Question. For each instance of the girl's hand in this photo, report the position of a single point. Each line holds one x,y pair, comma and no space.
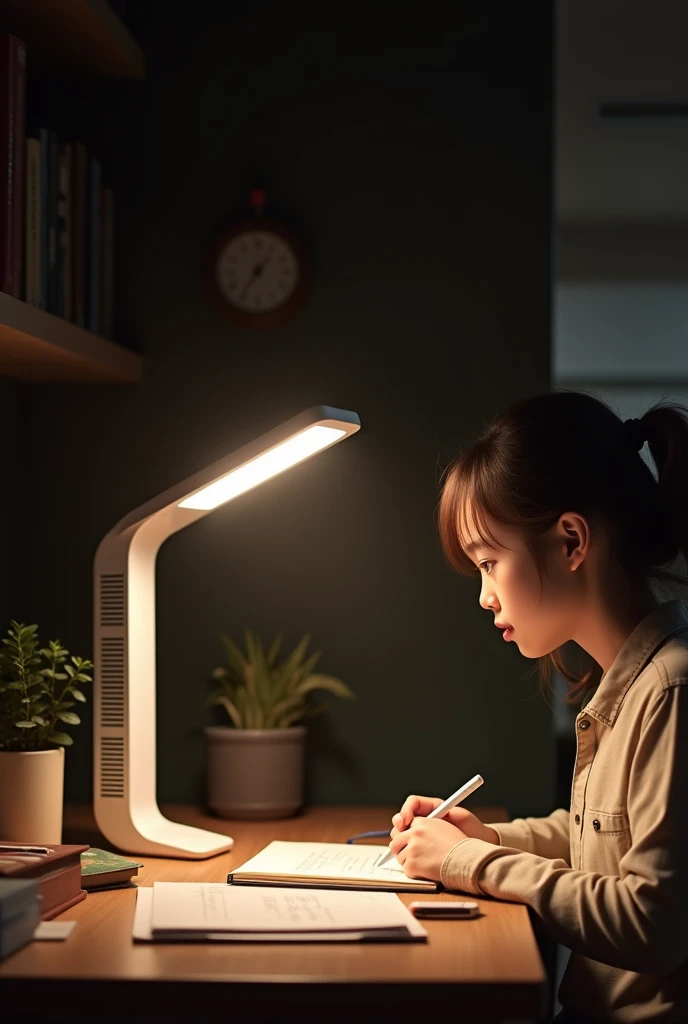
421,848
420,806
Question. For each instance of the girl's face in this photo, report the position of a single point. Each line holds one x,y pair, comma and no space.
541,614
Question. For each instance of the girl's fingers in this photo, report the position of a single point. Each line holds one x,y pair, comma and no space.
413,807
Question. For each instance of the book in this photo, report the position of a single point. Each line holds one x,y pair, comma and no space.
94,268
107,263
51,198
44,137
213,912
19,913
18,931
79,246
100,868
32,237
63,230
326,865
12,106
57,871
17,895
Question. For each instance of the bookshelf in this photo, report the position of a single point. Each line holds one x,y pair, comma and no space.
36,346
77,38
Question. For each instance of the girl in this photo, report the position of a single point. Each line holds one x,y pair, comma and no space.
573,536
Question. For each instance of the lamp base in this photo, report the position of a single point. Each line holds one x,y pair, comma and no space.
149,832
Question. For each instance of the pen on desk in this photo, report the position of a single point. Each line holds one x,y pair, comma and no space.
445,806
22,848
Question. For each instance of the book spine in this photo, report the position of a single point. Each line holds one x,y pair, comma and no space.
11,80
79,247
108,261
6,143
52,221
44,136
58,887
18,187
94,248
65,905
64,231
19,931
32,238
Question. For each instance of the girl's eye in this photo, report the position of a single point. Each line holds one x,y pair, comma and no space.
484,565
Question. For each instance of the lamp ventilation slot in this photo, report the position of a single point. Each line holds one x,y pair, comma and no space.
112,600
112,766
111,682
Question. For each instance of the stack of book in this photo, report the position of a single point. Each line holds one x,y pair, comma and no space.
19,913
56,213
56,870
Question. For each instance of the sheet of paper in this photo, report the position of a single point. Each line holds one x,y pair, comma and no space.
325,860
216,907
142,930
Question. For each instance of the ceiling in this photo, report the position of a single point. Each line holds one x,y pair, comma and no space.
621,169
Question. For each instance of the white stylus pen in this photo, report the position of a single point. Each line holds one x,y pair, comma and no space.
446,805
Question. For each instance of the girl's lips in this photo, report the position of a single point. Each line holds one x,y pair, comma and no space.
508,632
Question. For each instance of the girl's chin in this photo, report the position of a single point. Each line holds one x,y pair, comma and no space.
530,652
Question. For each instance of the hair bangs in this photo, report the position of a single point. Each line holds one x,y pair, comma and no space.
463,514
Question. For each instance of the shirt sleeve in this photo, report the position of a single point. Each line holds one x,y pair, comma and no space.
636,920
545,837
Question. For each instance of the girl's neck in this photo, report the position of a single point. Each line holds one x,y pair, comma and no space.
609,620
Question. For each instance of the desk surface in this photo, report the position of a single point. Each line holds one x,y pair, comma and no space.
488,967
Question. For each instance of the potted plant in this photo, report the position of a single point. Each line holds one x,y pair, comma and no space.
38,688
256,763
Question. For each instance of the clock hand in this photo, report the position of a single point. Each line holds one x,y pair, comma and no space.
265,262
256,272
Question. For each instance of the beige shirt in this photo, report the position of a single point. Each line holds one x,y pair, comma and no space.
609,879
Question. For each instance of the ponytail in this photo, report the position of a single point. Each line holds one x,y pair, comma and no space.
666,426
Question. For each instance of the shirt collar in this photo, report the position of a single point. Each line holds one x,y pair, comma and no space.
662,622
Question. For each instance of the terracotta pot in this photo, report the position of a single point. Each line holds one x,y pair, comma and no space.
31,796
255,773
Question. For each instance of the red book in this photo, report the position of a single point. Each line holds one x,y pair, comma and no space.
59,890
65,905
58,873
12,105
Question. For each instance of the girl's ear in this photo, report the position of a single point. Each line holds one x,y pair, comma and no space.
573,532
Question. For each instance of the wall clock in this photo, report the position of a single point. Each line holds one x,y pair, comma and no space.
258,270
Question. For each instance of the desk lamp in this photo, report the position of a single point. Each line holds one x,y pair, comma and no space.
124,783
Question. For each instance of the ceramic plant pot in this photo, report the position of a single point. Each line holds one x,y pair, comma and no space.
255,773
31,796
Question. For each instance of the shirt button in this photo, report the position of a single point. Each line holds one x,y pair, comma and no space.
596,825
584,723
577,819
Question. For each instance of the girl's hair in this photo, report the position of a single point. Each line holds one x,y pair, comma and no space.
569,451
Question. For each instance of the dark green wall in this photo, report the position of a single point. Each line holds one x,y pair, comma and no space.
417,163
14,497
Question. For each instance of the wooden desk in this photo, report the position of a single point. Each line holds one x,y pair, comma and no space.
486,969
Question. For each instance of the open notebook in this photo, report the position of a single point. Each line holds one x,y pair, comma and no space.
215,912
326,865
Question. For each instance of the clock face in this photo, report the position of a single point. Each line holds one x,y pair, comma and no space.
257,271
